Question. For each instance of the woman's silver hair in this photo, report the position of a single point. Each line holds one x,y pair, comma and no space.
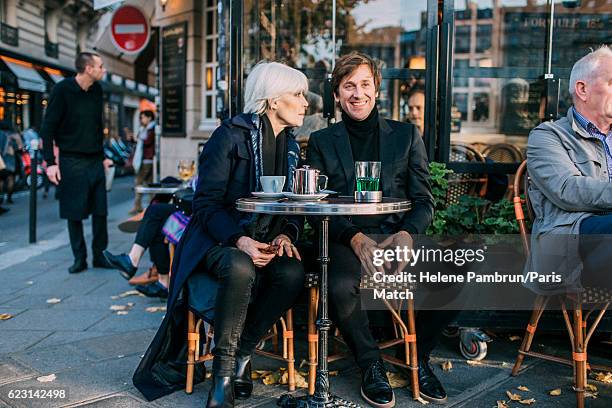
586,67
269,80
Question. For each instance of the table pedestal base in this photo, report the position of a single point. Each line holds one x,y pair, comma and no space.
311,401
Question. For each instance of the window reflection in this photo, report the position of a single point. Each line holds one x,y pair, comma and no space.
299,33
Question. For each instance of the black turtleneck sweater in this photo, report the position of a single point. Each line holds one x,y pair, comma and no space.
363,136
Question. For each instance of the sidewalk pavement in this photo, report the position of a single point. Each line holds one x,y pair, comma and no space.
92,351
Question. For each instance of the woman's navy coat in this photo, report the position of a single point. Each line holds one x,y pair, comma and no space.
226,172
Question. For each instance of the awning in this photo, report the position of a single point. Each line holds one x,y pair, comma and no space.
27,77
55,77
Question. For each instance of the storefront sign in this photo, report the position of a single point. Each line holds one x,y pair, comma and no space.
174,56
129,30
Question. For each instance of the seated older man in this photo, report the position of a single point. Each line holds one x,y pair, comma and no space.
570,165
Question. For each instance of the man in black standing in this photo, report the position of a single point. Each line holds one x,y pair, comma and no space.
73,121
364,136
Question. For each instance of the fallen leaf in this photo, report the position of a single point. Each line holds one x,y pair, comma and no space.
256,374
333,373
303,373
122,312
208,375
527,401
447,365
502,404
120,356
514,338
303,363
590,387
129,293
154,309
522,388
29,282
53,301
284,378
114,297
472,362
556,392
5,316
396,380
422,401
513,397
300,380
271,379
505,364
590,395
115,308
46,378
604,377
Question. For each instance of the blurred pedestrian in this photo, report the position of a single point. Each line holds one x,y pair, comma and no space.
11,146
74,121
143,157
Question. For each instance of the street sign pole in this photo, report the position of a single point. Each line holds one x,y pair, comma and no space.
33,188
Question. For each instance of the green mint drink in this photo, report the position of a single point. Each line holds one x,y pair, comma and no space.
367,183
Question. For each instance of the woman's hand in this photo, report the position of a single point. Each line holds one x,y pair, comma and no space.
252,248
286,247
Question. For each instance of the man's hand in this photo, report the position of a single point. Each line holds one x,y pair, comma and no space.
400,239
53,174
108,163
364,248
286,247
252,248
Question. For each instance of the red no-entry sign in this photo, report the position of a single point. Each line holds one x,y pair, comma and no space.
130,30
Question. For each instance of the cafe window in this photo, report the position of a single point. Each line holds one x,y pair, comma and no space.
210,37
499,86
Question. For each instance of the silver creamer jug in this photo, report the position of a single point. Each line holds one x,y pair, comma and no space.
306,180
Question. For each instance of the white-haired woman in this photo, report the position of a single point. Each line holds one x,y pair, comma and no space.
226,250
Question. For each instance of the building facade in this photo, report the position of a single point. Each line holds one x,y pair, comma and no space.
39,40
490,70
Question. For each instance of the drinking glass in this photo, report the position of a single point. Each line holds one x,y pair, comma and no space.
186,170
367,174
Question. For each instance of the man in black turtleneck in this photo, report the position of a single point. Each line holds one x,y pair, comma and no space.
364,136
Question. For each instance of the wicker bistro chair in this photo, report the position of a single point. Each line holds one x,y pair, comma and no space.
199,350
465,183
405,334
505,153
579,331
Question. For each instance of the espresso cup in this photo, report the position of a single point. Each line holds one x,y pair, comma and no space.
272,184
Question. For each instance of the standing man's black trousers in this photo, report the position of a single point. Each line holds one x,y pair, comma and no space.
82,192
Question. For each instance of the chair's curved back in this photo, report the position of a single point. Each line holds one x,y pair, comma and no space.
465,183
521,179
503,153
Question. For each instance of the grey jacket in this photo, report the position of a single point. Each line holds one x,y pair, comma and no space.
569,182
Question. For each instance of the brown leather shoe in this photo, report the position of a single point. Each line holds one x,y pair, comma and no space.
146,278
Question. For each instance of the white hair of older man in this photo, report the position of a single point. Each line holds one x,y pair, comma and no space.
269,80
586,67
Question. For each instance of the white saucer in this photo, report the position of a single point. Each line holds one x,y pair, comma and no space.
305,197
270,196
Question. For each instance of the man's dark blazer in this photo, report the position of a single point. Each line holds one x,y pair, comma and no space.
404,173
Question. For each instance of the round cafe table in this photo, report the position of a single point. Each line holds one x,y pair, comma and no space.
324,209
155,190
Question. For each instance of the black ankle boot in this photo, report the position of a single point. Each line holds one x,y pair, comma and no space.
243,383
221,394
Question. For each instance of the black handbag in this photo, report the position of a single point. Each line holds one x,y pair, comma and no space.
183,200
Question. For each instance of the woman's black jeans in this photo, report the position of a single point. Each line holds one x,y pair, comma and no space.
150,235
271,290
